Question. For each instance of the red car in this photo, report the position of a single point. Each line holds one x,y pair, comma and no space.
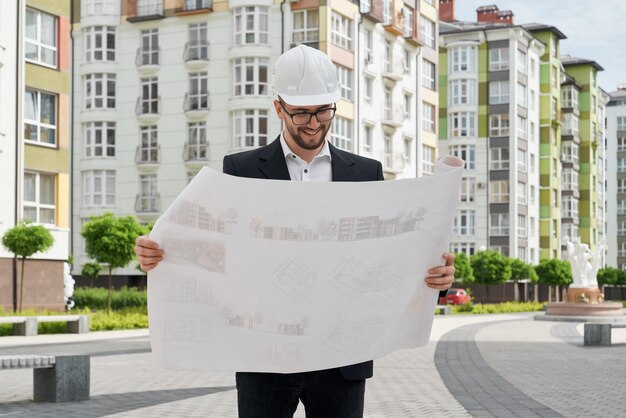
455,297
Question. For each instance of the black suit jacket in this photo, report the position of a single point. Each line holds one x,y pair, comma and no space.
268,162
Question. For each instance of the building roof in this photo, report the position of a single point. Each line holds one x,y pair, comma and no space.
567,60
446,28
540,27
620,93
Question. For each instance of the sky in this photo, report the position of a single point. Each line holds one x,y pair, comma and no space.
595,29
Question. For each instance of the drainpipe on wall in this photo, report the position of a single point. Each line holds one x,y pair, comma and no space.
71,139
18,142
356,101
282,27
417,107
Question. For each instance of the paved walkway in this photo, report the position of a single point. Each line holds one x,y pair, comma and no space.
480,365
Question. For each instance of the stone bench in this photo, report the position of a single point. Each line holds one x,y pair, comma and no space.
599,334
27,325
55,378
443,310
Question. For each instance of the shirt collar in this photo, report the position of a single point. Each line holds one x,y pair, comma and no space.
324,152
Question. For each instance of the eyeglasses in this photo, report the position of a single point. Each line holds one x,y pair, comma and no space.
304,118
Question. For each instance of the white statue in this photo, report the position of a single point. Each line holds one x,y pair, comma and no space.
585,263
68,286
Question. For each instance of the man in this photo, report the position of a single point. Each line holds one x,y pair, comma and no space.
306,87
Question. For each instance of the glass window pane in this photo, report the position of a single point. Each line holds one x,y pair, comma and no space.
31,25
30,105
30,214
48,30
31,51
48,109
29,187
46,216
47,190
48,136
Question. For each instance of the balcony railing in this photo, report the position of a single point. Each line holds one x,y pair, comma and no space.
150,8
151,155
196,102
394,116
148,106
191,5
148,203
393,162
148,57
195,152
196,51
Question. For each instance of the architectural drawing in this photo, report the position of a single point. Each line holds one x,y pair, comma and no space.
357,277
210,255
193,215
354,336
191,290
295,279
257,322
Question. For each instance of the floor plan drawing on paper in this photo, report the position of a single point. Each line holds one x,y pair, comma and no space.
207,254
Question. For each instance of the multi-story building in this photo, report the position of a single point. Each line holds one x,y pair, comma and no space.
490,114
36,135
616,178
163,88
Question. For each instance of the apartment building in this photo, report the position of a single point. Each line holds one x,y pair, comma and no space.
164,88
490,116
616,178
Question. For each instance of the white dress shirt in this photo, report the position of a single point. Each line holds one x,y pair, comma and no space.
318,170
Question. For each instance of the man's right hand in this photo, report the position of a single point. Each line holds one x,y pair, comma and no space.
148,253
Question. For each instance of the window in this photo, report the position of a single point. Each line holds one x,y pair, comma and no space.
521,225
555,76
100,91
621,206
149,147
99,7
341,31
387,104
344,78
40,117
407,106
570,124
369,88
40,38
521,95
407,14
533,68
198,47
306,26
368,42
621,123
197,147
428,75
621,185
251,25
250,128
99,188
463,124
427,31
555,198
407,62
555,168
465,222
569,152
462,59
428,117
341,133
553,48
521,127
197,4
531,227
40,198
408,150
531,160
498,92
498,191
462,247
149,7
499,59
250,75
428,160
148,199
388,149
467,153
521,252
499,224
367,140
468,189
532,99
621,230
621,249
99,43
521,193
521,61
100,139
521,161
388,63
198,96
149,96
499,125
149,49
533,132
387,10
462,92
532,195
621,143
499,159
569,207
569,96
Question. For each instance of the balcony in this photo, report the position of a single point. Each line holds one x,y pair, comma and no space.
148,61
148,204
196,55
148,110
394,116
394,68
148,159
191,7
393,163
196,106
147,10
195,155
395,23
372,10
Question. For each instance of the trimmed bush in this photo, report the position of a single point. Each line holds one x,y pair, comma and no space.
95,298
506,307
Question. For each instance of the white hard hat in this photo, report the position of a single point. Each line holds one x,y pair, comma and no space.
305,76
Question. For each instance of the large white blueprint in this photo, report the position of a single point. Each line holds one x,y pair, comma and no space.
279,276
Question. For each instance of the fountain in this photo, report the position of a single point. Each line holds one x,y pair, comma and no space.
585,301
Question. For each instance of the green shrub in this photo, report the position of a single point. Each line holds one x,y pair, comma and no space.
505,307
466,307
96,298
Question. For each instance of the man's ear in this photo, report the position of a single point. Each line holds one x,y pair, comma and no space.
279,110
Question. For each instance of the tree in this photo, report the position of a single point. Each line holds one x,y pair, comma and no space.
554,272
520,271
490,267
608,276
462,269
91,270
24,240
110,240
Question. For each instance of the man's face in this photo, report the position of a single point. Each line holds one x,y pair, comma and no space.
310,136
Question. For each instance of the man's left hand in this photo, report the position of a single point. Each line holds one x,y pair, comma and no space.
442,277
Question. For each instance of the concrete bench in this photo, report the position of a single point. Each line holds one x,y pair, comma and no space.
55,378
443,310
599,334
27,325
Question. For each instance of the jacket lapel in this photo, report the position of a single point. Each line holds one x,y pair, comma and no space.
341,164
272,162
